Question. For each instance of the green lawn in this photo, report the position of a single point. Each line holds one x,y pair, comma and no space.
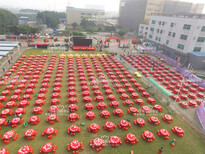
188,144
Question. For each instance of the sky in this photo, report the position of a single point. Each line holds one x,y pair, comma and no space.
60,5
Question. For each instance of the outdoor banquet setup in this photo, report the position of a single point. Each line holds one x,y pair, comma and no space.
94,90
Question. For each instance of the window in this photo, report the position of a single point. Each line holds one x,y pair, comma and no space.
146,28
153,21
159,39
151,29
173,34
82,13
161,31
145,33
157,30
169,33
183,37
197,49
163,23
156,38
172,24
150,36
180,46
201,39
167,42
160,23
203,29
89,14
187,27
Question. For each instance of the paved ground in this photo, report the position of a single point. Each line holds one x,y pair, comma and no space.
4,61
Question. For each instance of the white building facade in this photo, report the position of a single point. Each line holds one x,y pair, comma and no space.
143,31
180,32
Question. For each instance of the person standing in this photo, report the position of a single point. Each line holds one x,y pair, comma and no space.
9,61
160,150
3,69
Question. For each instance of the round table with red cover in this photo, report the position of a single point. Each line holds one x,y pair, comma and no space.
114,104
128,103
121,90
26,97
48,148
74,146
131,139
30,134
29,91
94,128
115,141
25,150
52,118
157,107
124,124
73,108
118,112
14,98
124,96
43,90
99,98
5,93
184,105
16,121
109,126
164,133
148,136
101,105
18,92
154,120
90,115
10,104
37,110
105,114
72,117
56,95
178,130
108,92
49,131
167,118
139,122
4,151
192,103
73,129
134,95
53,109
8,135
97,144
95,87
88,106
145,109
34,120
39,102
23,103
57,84
3,99
87,99
72,100
132,111
139,101
151,100
2,121
97,92
4,113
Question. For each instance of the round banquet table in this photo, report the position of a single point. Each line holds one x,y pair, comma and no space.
140,122
94,127
131,137
148,135
52,117
74,129
4,151
25,150
30,133
114,140
90,115
73,107
47,147
89,106
8,135
15,121
101,105
49,130
75,144
98,142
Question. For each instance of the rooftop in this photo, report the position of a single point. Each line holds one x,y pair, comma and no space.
198,53
181,15
83,9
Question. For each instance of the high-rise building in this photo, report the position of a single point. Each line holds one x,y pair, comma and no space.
177,35
134,12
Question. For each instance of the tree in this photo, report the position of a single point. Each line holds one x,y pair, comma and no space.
110,28
87,24
122,32
22,29
74,25
50,18
7,19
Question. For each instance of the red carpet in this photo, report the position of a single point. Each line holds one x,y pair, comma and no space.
83,48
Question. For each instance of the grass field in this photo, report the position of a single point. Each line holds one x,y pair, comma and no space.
189,144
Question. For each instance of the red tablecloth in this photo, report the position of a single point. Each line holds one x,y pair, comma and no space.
47,147
24,150
148,134
49,130
114,140
131,137
15,121
74,128
94,126
98,142
8,135
29,133
75,144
